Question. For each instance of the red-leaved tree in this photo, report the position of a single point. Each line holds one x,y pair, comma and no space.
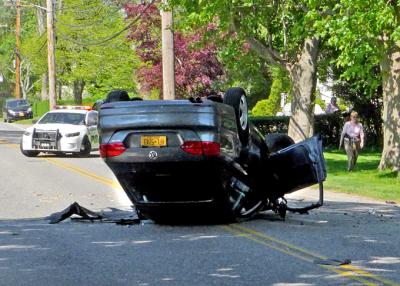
196,63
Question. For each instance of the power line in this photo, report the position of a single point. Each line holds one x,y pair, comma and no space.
113,36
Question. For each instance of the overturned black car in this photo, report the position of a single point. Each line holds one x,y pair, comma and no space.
187,159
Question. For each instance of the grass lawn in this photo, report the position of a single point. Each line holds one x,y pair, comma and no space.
365,179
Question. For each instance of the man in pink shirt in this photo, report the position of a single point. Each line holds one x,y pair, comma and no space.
353,138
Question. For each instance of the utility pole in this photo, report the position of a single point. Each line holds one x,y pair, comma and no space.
17,51
51,54
168,56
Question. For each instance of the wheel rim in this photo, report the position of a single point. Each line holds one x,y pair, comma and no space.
249,211
243,112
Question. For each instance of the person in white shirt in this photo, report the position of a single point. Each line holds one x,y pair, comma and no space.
353,138
332,106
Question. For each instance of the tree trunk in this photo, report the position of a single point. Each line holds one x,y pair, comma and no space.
304,78
78,90
43,94
390,68
59,91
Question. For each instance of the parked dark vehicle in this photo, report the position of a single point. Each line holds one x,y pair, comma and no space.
16,109
188,159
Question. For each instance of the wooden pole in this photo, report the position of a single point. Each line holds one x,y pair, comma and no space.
51,54
17,51
168,56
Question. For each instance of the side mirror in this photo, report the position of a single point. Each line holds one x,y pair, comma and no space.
91,122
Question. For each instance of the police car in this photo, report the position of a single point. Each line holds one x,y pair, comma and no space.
67,129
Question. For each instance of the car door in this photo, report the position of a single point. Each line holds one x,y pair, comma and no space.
299,165
92,120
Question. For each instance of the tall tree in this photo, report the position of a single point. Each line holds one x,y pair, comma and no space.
281,33
367,34
92,51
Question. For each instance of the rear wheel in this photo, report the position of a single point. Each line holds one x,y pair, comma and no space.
28,153
236,97
86,148
278,141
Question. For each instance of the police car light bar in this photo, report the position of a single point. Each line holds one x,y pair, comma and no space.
72,107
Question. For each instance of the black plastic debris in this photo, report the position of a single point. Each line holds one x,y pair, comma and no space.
390,202
74,209
332,262
127,221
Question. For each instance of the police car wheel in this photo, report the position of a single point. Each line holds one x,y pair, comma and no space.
86,148
28,153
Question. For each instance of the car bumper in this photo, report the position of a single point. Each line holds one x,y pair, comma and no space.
64,145
20,115
166,184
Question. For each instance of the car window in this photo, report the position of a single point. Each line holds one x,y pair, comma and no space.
16,103
63,118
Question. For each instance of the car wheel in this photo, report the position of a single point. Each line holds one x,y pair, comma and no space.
28,153
277,141
86,148
236,97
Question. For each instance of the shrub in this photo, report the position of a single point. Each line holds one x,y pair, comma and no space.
270,106
328,126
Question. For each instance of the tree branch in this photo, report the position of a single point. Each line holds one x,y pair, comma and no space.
268,53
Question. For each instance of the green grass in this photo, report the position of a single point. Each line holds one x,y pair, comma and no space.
365,179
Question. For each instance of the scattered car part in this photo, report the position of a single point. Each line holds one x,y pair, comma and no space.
73,209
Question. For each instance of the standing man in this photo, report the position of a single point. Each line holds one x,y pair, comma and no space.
353,137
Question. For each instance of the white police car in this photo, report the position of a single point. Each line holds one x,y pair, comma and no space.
68,129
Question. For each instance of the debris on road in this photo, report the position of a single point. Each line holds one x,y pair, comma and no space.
74,209
88,215
332,261
391,202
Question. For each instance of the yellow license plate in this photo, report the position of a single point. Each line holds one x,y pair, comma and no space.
21,114
153,141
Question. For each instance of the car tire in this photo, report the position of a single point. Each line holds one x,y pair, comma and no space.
28,153
278,141
86,148
236,97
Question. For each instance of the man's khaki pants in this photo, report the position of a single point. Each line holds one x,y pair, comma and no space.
352,148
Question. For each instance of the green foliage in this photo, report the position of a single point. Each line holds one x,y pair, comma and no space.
365,180
270,106
7,46
356,31
85,50
321,103
39,108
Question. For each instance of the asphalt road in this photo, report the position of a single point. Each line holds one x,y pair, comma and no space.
263,251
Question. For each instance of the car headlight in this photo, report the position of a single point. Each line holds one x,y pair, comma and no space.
29,109
27,133
12,112
72,134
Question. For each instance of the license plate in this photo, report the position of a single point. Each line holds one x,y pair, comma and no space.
21,114
153,141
